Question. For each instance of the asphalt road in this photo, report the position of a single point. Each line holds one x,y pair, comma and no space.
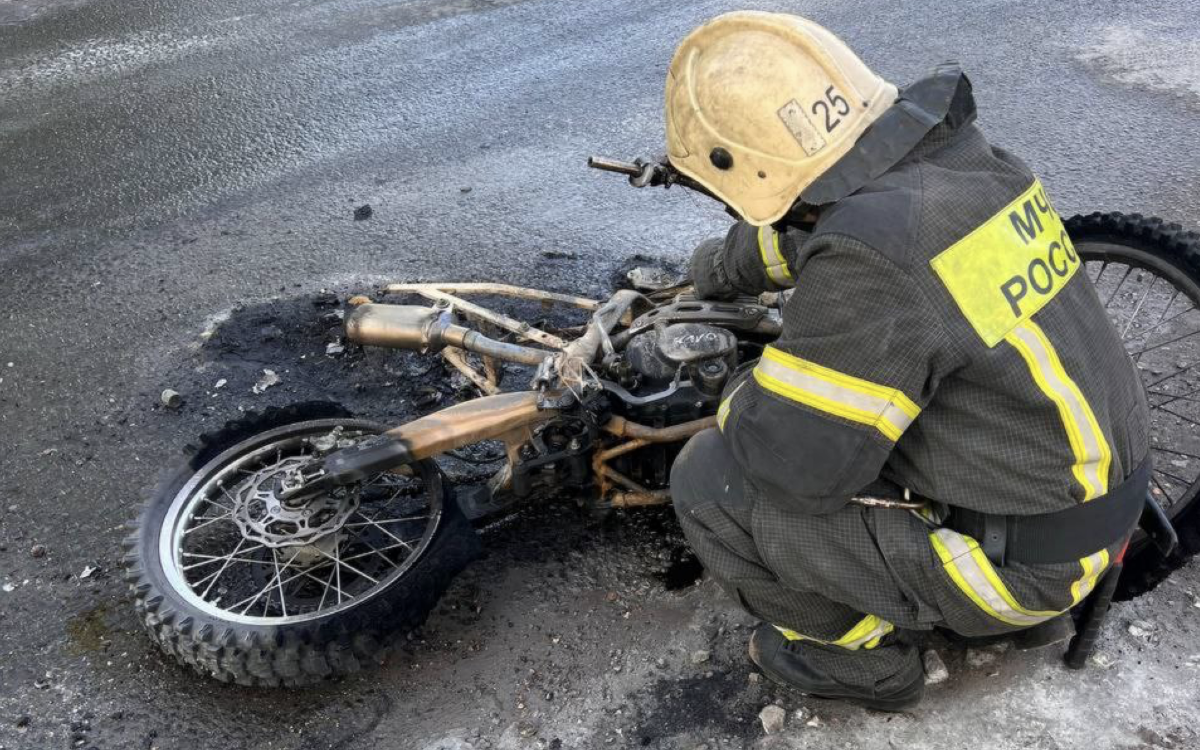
163,162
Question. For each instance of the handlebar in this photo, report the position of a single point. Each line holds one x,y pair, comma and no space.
605,164
642,173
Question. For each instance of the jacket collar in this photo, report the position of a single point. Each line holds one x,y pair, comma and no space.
942,98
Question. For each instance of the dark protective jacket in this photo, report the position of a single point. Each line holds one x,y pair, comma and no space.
941,333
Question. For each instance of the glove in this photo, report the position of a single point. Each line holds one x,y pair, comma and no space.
707,270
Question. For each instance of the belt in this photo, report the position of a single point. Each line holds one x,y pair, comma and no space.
1062,536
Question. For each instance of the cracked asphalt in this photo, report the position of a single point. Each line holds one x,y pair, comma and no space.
165,162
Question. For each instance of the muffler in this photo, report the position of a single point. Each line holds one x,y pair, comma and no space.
428,329
398,326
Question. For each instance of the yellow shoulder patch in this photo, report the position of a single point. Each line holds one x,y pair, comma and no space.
1010,266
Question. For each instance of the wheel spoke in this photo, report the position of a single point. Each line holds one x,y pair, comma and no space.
282,601
396,494
1185,419
1138,308
207,522
1175,340
343,564
385,531
225,508
379,551
1111,297
212,559
328,584
224,565
1177,453
1172,399
1167,309
1181,480
337,567
382,478
377,521
270,584
1165,378
1164,320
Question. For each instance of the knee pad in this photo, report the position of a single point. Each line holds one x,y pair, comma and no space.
704,462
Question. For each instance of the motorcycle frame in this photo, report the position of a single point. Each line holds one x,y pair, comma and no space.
513,417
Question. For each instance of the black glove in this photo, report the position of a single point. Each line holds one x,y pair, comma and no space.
708,270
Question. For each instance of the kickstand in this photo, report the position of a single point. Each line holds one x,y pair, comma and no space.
1095,607
1157,526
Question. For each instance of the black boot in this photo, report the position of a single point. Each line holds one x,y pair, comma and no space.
784,661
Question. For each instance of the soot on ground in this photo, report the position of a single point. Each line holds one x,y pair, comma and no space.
300,340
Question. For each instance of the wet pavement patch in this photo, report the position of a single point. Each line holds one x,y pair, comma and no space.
88,632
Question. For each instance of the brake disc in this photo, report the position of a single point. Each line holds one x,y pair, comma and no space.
263,518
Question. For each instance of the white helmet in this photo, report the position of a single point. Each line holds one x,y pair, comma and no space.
759,105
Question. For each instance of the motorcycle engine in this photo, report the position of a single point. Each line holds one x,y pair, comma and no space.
707,354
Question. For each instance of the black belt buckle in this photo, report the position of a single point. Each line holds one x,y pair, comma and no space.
994,539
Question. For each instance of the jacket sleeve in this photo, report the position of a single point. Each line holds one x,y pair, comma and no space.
750,260
859,357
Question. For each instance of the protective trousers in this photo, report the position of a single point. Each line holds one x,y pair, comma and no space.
843,582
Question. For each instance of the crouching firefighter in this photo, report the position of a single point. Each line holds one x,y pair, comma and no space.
940,342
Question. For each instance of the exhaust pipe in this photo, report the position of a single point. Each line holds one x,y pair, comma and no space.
396,327
428,329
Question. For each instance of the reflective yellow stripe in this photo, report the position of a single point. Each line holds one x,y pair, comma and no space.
772,258
723,409
1091,451
723,414
973,573
866,634
1093,566
886,409
1093,457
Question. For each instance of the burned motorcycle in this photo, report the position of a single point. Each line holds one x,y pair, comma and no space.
295,544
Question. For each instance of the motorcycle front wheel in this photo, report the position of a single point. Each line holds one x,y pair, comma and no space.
233,583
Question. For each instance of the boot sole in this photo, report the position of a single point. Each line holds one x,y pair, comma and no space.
889,705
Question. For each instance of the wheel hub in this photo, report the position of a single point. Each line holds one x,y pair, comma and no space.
264,518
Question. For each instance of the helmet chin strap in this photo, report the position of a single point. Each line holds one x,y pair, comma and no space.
943,96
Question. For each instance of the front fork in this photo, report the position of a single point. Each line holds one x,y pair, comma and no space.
506,416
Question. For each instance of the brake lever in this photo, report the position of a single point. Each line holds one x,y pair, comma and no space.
651,175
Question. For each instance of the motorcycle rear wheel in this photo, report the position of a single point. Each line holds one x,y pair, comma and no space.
1147,273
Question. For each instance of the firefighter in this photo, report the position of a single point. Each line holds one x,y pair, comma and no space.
940,343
